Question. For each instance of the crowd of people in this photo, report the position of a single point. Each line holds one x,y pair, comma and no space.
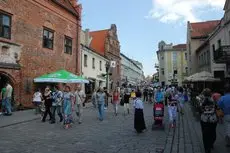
214,109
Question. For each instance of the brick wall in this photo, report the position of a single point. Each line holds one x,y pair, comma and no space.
28,19
112,52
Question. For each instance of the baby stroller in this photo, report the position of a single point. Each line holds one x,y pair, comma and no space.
158,115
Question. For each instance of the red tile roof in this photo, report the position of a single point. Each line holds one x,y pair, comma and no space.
180,46
203,29
98,41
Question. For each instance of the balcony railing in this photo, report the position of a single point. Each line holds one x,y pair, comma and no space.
222,54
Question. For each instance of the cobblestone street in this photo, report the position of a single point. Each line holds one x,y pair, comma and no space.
114,135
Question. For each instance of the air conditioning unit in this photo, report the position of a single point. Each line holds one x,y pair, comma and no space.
113,64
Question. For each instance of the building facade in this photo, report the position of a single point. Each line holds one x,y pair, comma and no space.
197,33
172,63
218,46
131,73
92,64
37,37
204,58
106,43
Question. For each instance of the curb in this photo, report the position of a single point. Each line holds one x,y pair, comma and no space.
16,123
29,120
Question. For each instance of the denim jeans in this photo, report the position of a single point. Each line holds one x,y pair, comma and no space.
115,107
59,112
101,111
172,111
8,105
79,112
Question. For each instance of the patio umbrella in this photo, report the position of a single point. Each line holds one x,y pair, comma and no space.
61,76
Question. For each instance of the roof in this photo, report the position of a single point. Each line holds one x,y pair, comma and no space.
69,5
203,29
180,46
98,41
130,60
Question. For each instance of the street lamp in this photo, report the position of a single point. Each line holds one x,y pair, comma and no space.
107,67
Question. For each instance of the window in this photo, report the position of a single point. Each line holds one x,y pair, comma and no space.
174,56
68,45
175,72
219,43
93,63
185,56
162,57
118,69
48,38
208,57
204,57
213,48
162,71
85,60
186,70
5,26
100,66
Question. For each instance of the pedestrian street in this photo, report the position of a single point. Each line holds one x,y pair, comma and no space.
113,135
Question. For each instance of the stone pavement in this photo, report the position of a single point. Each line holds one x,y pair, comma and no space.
114,135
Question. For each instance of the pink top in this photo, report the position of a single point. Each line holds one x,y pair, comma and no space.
115,96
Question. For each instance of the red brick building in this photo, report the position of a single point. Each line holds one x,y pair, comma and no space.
37,37
106,43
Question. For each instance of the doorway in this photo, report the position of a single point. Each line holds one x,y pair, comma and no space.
4,78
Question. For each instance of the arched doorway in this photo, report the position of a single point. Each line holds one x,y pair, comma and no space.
4,78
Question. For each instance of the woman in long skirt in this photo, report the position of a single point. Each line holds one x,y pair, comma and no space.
139,121
67,107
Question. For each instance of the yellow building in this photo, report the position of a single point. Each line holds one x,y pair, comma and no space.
172,63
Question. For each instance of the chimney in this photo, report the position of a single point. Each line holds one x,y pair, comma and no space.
87,41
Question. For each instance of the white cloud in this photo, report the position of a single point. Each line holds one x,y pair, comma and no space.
182,10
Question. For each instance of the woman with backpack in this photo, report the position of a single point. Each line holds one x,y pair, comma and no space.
208,120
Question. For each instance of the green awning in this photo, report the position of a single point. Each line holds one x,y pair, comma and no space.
61,76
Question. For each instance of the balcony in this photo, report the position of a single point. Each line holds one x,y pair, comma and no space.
156,66
222,55
9,55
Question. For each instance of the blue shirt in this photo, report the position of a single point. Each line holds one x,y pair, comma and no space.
159,96
100,98
224,104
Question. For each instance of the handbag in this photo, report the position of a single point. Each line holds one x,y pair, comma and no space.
219,113
122,102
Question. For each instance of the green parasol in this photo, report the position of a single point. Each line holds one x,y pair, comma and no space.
61,76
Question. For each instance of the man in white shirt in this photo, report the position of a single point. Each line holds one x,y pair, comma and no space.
80,99
9,91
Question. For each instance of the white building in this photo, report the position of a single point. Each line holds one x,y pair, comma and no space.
131,73
92,64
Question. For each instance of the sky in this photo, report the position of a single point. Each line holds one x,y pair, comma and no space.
142,24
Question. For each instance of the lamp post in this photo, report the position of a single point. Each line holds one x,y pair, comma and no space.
107,67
